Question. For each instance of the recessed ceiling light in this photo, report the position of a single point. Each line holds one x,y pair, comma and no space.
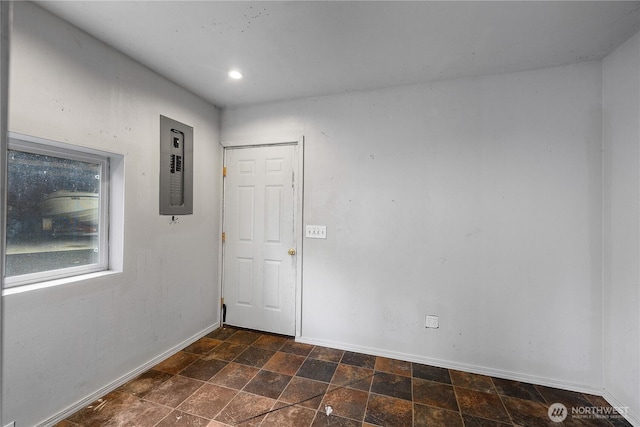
235,74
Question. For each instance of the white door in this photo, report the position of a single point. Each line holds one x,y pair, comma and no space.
259,267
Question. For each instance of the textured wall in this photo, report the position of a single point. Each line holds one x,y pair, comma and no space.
478,200
621,296
66,342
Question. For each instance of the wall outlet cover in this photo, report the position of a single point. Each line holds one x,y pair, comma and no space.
432,321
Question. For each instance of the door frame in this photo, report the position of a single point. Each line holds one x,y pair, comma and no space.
296,140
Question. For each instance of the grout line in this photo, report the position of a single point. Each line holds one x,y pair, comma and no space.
344,385
370,392
413,405
513,421
332,387
260,369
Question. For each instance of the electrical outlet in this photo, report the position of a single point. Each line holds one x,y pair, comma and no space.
316,231
432,321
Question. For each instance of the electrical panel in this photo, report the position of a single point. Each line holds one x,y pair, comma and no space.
176,167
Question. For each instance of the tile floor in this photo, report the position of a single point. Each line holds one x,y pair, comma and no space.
239,377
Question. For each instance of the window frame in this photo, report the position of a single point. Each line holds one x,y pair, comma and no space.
40,146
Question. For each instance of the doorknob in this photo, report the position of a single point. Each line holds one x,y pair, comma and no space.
292,251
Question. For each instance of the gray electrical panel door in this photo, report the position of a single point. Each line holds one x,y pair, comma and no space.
176,167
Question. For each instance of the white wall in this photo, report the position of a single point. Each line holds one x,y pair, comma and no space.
478,200
64,343
621,297
4,86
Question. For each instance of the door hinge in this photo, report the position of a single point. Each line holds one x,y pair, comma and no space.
224,171
221,302
224,237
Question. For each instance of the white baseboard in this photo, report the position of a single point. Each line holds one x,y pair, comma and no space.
633,418
630,416
125,378
514,376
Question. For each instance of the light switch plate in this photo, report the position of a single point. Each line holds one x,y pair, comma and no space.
316,231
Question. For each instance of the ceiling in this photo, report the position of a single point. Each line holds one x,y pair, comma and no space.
293,49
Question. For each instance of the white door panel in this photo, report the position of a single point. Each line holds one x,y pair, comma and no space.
259,273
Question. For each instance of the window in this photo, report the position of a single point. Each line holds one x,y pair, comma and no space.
57,211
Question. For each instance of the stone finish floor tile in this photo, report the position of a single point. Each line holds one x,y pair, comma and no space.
481,404
470,421
324,420
284,363
298,348
102,410
327,354
176,363
428,416
357,359
182,419
173,391
393,366
434,394
347,402
567,398
233,376
203,346
472,381
226,351
352,377
246,409
254,356
65,423
318,370
270,342
140,413
145,382
304,392
268,384
528,412
208,401
392,385
203,369
517,389
389,411
289,416
244,337
431,373
222,333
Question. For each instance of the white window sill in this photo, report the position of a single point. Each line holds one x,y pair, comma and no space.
57,282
